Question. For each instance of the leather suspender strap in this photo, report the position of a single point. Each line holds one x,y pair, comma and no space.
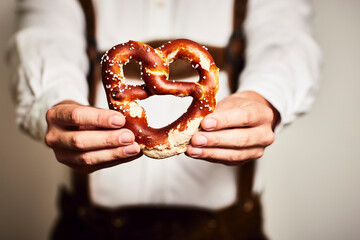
91,48
240,10
89,14
235,49
235,63
231,58
80,182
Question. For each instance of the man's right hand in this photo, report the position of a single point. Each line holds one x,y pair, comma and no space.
87,138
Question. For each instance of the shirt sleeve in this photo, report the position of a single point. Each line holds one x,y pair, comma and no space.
283,60
48,60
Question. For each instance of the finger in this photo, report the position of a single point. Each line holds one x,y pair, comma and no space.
246,116
92,158
89,140
234,138
78,115
225,156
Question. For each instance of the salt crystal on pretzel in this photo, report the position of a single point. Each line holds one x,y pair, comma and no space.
174,138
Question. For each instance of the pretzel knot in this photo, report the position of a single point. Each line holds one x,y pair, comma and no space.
154,66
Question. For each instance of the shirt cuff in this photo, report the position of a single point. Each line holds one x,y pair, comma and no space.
35,120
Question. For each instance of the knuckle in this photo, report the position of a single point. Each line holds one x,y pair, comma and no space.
112,139
118,153
49,139
77,142
207,154
268,114
259,153
214,139
50,115
98,119
226,120
86,159
236,156
270,138
243,140
246,116
75,115
108,142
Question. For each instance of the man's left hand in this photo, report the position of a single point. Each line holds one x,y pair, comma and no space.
239,130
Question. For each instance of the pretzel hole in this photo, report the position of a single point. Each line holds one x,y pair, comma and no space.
181,68
157,109
132,70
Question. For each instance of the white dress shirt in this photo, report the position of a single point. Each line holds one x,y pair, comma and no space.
49,65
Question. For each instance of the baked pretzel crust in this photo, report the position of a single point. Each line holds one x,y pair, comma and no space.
154,69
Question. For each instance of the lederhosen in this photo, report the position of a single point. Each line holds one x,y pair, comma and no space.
79,219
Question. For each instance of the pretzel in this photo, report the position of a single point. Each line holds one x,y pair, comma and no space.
154,66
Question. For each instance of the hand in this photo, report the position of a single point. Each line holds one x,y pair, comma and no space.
239,130
87,138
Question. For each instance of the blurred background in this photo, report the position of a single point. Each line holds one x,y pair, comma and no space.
311,172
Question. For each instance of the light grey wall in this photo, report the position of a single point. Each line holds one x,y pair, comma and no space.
29,176
311,173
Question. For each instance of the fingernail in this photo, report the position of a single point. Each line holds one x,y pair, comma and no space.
195,152
209,124
117,121
132,149
200,140
126,138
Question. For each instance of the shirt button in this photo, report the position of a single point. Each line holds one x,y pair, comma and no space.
248,205
118,222
212,224
81,211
